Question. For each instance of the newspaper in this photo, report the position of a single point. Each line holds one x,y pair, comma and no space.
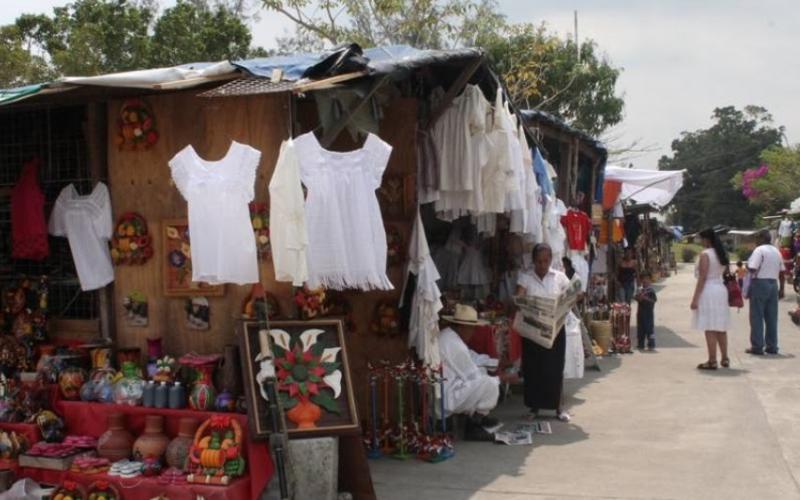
540,318
522,433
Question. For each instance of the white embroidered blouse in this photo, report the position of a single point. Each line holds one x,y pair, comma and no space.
223,246
346,238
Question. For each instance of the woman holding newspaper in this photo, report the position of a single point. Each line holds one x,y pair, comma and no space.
542,368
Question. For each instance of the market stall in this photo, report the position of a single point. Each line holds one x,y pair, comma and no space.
185,266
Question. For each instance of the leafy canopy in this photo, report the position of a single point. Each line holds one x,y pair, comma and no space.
781,184
541,69
89,37
712,157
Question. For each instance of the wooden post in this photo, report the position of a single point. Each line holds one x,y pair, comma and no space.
96,133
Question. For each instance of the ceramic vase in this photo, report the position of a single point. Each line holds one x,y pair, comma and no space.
178,449
70,381
116,443
153,442
130,388
154,352
305,414
203,393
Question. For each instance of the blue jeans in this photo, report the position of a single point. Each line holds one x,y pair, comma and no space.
764,311
628,288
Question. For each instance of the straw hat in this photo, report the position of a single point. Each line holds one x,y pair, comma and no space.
465,315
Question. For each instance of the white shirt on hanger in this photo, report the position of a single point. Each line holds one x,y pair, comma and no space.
86,222
223,245
287,219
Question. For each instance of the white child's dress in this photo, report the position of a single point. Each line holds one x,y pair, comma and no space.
713,312
223,245
346,238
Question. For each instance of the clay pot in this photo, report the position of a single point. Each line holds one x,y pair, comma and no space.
305,414
153,442
116,443
178,450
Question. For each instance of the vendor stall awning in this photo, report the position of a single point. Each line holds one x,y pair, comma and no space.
646,187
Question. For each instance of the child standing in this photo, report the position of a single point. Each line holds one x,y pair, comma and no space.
645,313
741,272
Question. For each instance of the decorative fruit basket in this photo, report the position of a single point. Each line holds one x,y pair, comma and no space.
216,454
103,490
70,490
131,243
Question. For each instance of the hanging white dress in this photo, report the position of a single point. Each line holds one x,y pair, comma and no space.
223,246
287,219
346,238
423,326
86,222
463,148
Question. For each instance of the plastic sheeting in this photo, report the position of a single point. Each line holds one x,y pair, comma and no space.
646,187
382,60
187,75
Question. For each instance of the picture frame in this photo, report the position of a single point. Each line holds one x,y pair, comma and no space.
177,261
326,336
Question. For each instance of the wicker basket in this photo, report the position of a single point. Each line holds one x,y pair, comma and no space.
601,333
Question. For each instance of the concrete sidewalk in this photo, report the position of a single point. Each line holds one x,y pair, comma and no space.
650,425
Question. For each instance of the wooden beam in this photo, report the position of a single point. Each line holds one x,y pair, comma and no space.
331,134
309,85
455,89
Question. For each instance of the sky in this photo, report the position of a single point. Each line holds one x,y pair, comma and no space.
680,58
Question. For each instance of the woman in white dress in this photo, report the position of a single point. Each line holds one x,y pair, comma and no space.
710,300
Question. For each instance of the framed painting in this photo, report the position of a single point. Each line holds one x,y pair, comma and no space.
178,263
313,377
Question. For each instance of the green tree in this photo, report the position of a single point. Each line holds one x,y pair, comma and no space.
540,69
546,72
90,37
194,31
781,185
17,65
712,157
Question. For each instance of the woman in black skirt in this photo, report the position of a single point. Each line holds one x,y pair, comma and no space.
542,368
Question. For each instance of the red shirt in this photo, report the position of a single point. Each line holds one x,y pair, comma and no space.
578,226
28,225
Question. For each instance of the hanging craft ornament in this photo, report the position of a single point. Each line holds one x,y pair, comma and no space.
137,127
259,217
395,245
131,243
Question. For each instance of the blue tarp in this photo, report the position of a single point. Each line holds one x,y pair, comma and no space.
382,60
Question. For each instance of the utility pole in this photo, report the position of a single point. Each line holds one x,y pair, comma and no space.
577,44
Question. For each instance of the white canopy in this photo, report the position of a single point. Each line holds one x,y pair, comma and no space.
646,187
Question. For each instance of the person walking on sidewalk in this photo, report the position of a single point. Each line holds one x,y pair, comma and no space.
710,300
766,288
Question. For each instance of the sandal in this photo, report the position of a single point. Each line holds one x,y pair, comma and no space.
725,363
708,365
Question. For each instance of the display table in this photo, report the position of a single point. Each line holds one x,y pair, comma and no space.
145,488
90,419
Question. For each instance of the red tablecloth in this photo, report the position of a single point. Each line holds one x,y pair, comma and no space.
30,431
145,488
91,419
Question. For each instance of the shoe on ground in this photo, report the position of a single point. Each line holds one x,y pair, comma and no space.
476,433
774,352
563,416
488,421
754,352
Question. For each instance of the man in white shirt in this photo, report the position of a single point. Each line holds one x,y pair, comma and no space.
766,288
467,388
